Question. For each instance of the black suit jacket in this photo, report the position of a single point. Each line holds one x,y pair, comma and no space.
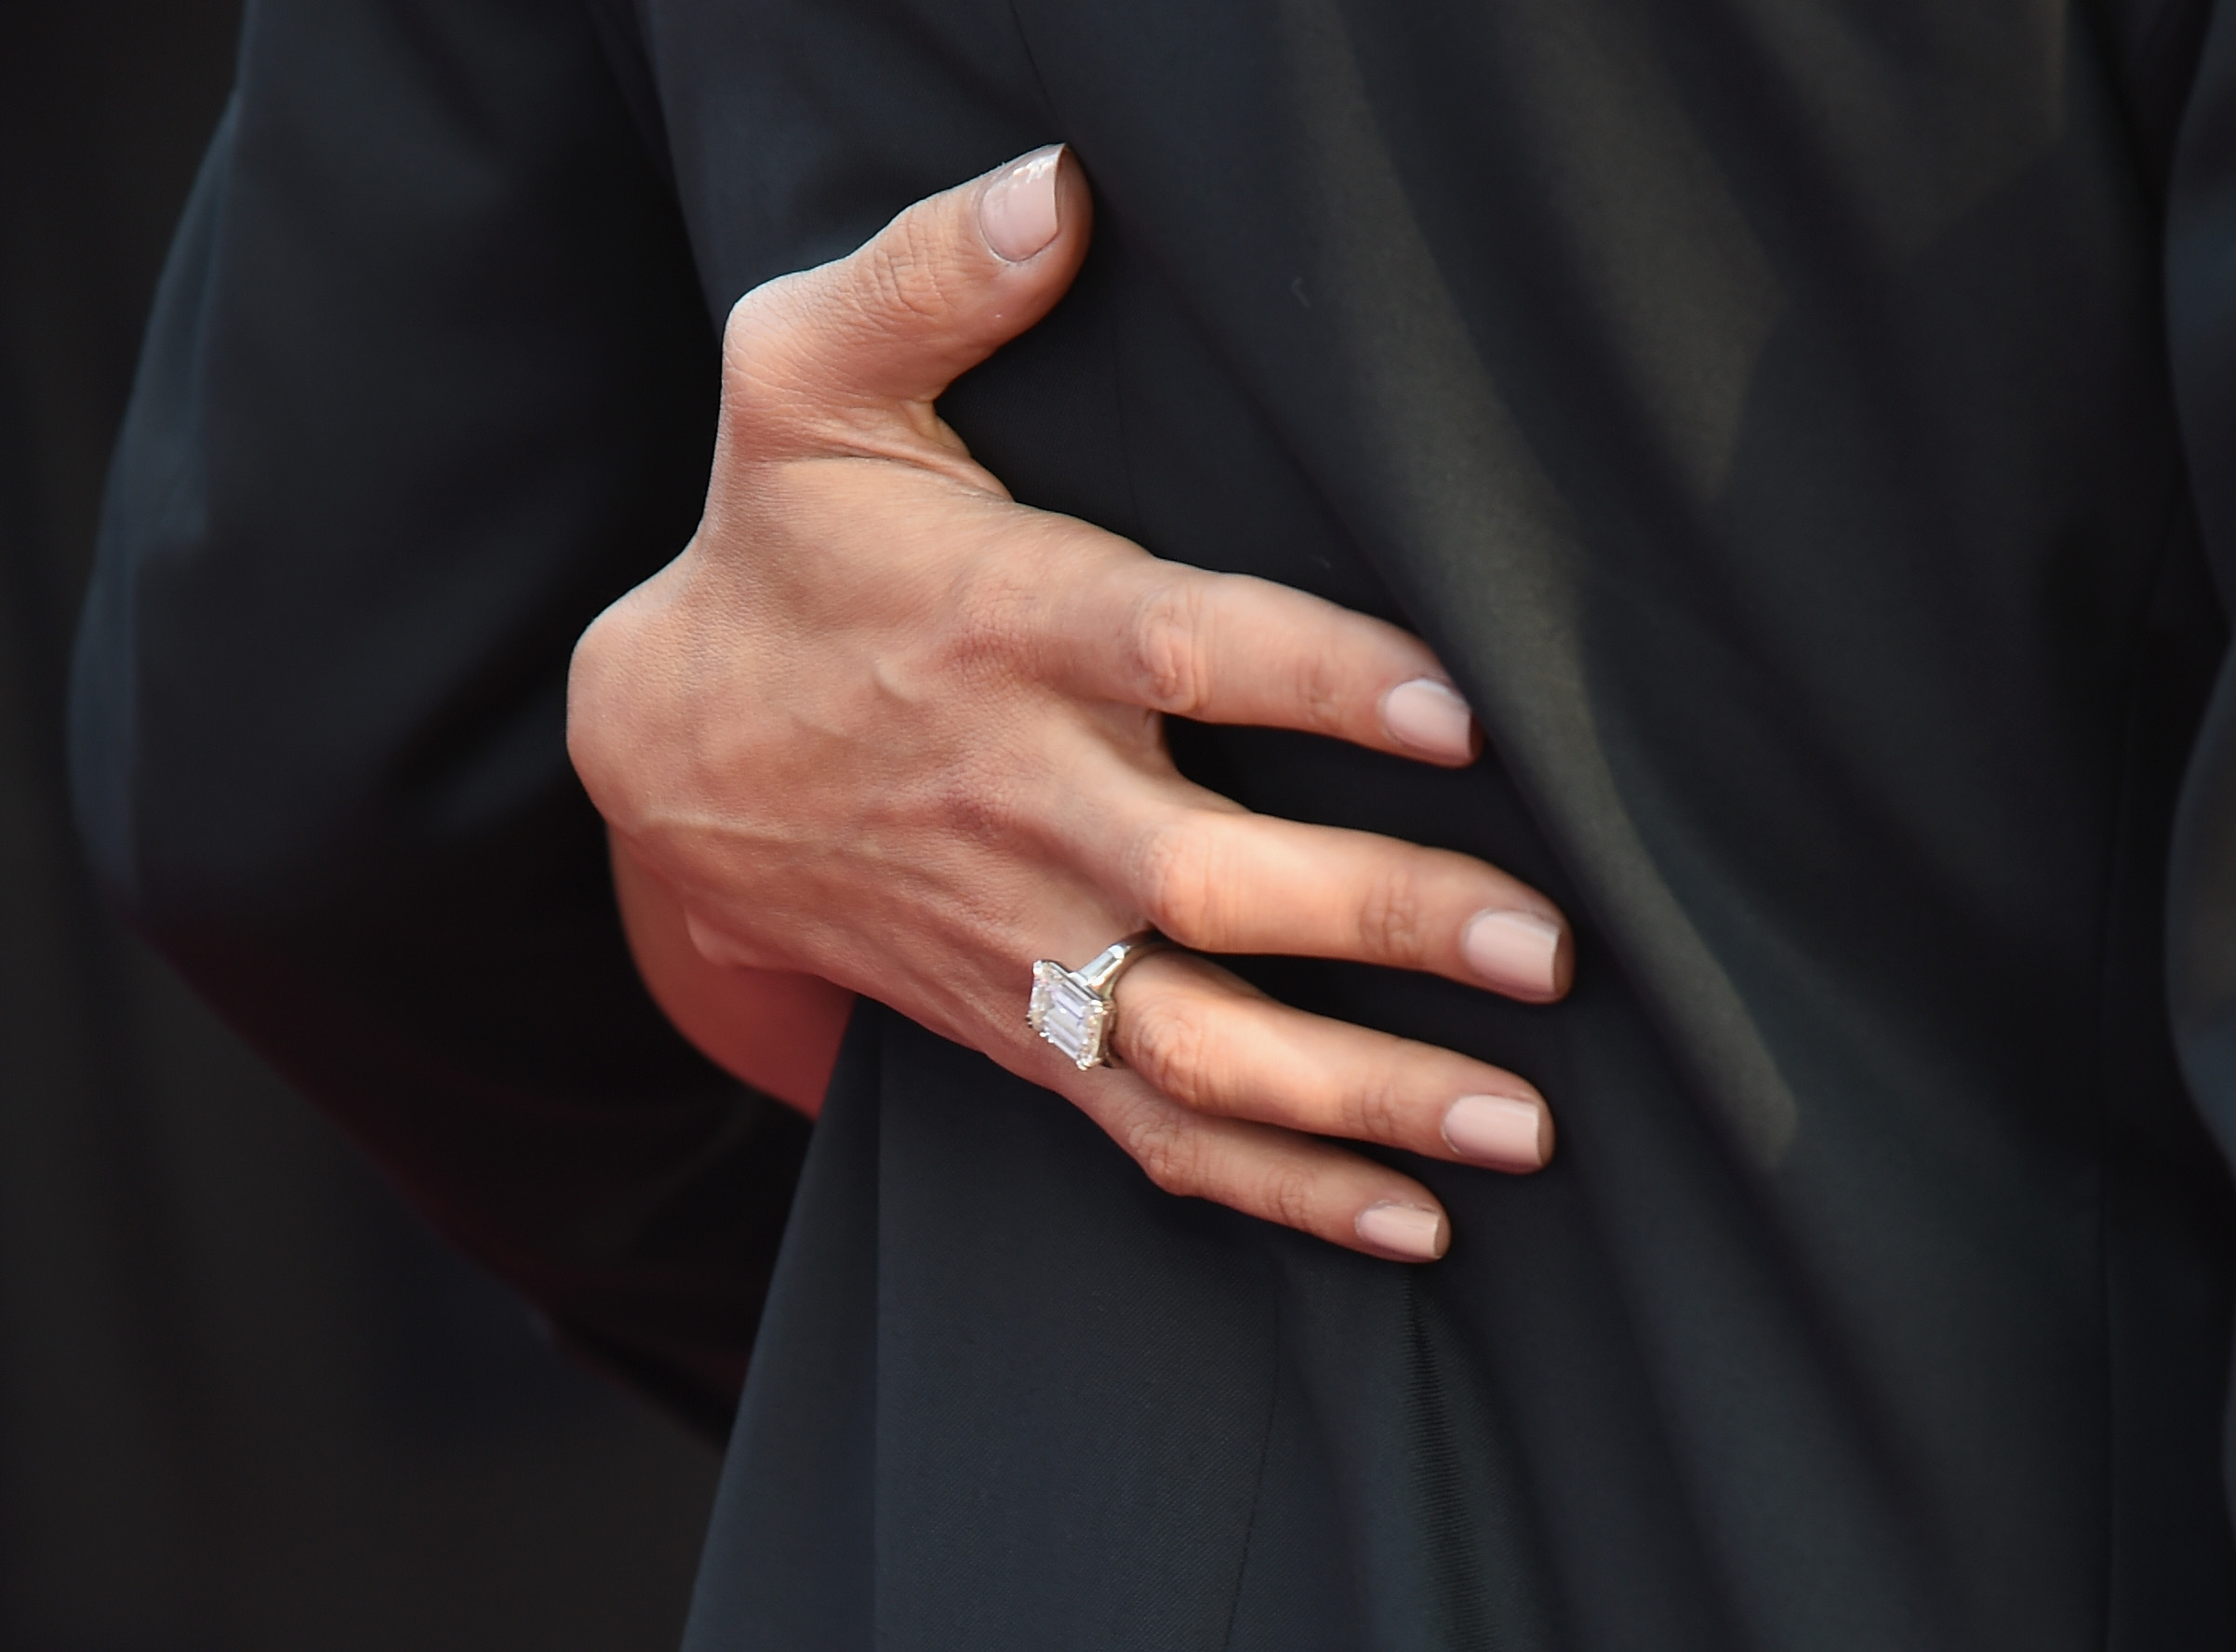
1805,427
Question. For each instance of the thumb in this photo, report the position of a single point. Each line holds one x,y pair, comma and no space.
936,291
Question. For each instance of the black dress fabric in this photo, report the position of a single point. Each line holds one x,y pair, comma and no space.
1806,430
428,384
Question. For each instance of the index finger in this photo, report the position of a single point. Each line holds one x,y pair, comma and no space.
1233,648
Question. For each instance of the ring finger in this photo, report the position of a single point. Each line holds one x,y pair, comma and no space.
1210,1040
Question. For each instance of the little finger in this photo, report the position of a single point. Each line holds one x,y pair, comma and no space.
1275,1175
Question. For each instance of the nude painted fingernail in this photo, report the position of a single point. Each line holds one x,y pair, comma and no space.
1017,214
1515,951
1406,1231
1503,1132
1427,715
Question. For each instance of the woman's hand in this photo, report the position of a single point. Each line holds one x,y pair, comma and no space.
880,725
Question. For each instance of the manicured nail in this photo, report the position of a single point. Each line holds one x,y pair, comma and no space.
1516,951
1427,715
1504,1132
1017,214
1406,1231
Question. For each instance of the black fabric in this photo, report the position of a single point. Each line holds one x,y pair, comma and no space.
428,385
1803,428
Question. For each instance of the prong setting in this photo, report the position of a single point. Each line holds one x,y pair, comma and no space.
1072,1009
1068,1013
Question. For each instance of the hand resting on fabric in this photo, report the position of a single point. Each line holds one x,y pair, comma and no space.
881,729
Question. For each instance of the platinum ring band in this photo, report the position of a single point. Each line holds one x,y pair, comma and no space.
1073,1009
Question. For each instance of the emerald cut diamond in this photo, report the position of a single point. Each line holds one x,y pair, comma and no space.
1071,1008
1068,1013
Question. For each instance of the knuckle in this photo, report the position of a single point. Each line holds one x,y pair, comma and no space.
1290,1195
976,796
1326,684
990,622
744,327
605,710
1177,881
755,343
596,652
905,276
1168,1044
1376,1111
1168,637
1169,1153
1394,917
779,338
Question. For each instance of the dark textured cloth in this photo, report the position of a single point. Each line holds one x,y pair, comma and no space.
1772,411
428,384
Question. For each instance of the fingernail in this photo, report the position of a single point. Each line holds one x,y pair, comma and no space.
1406,1231
1427,715
1516,951
1017,214
1504,1132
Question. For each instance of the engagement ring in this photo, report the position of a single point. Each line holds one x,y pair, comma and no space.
1071,1008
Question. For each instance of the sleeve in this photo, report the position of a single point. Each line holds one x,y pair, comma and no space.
2200,313
2201,294
428,384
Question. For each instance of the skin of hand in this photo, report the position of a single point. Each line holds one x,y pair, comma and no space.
881,729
